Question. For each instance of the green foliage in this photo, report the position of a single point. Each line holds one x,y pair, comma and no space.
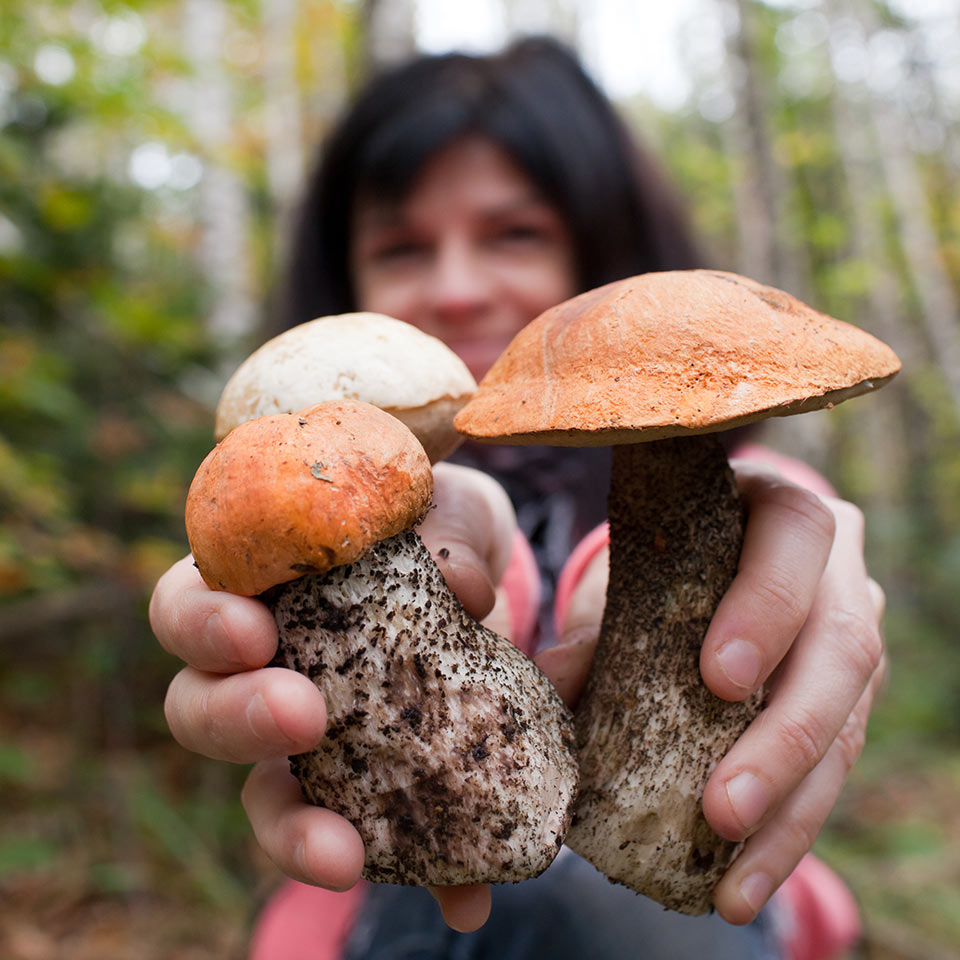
107,367
105,355
98,436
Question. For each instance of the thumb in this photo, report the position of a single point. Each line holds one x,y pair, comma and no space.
469,531
464,909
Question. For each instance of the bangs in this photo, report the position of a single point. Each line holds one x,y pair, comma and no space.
405,136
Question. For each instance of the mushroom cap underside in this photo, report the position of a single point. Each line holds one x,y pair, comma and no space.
668,354
290,494
353,356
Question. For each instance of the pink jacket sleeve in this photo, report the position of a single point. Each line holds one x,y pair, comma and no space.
521,582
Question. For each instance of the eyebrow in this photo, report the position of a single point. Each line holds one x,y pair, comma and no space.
390,215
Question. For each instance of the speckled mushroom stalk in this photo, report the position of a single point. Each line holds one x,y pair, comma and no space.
666,358
649,730
448,750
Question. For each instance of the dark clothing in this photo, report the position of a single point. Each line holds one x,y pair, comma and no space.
571,912
560,495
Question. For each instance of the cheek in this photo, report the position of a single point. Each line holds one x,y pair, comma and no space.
536,289
378,295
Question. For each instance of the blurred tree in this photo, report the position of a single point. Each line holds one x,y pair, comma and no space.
135,242
151,152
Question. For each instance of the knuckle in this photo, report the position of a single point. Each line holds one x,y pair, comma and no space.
804,739
859,638
802,833
850,515
171,708
850,741
878,597
808,508
208,725
777,592
188,714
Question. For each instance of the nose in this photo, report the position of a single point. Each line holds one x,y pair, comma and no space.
461,284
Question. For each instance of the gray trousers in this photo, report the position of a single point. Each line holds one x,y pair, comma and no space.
570,912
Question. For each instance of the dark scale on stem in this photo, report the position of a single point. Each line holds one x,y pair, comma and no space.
419,667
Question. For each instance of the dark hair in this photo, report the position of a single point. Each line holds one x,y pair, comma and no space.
535,101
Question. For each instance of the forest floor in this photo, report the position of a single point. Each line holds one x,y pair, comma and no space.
116,844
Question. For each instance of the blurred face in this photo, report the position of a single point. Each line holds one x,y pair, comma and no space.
470,255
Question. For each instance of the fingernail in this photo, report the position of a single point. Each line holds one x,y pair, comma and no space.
749,797
214,633
756,890
300,858
260,719
741,663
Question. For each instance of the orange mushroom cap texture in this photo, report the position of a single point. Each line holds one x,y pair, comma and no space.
290,494
667,354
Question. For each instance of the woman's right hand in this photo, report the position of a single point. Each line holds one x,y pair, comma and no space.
228,704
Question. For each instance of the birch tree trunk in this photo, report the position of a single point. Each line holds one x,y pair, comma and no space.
939,306
282,117
882,430
558,18
224,212
761,195
389,32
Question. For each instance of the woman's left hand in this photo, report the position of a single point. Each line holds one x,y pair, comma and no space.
803,616
803,612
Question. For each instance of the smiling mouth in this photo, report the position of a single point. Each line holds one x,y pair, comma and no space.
478,354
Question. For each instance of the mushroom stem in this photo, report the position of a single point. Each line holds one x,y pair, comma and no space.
446,747
649,731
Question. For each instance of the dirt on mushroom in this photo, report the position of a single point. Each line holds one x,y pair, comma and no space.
446,747
671,358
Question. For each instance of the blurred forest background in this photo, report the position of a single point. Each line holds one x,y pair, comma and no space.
150,155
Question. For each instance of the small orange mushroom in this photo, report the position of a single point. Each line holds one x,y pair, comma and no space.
446,747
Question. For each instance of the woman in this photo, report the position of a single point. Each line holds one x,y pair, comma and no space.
465,195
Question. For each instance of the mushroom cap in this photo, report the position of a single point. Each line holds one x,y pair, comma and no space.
668,354
354,356
290,494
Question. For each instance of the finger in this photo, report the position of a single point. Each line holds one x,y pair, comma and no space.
464,909
309,843
787,542
771,854
878,597
210,629
499,619
567,664
819,684
470,532
247,716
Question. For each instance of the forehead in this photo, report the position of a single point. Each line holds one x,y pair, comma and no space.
473,173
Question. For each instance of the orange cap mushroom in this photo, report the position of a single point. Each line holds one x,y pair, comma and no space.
446,747
670,354
290,494
669,358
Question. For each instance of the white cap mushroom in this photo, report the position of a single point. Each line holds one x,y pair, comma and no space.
354,356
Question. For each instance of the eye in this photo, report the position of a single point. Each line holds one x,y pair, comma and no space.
398,250
518,233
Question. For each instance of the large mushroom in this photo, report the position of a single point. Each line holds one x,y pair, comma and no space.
669,358
445,746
